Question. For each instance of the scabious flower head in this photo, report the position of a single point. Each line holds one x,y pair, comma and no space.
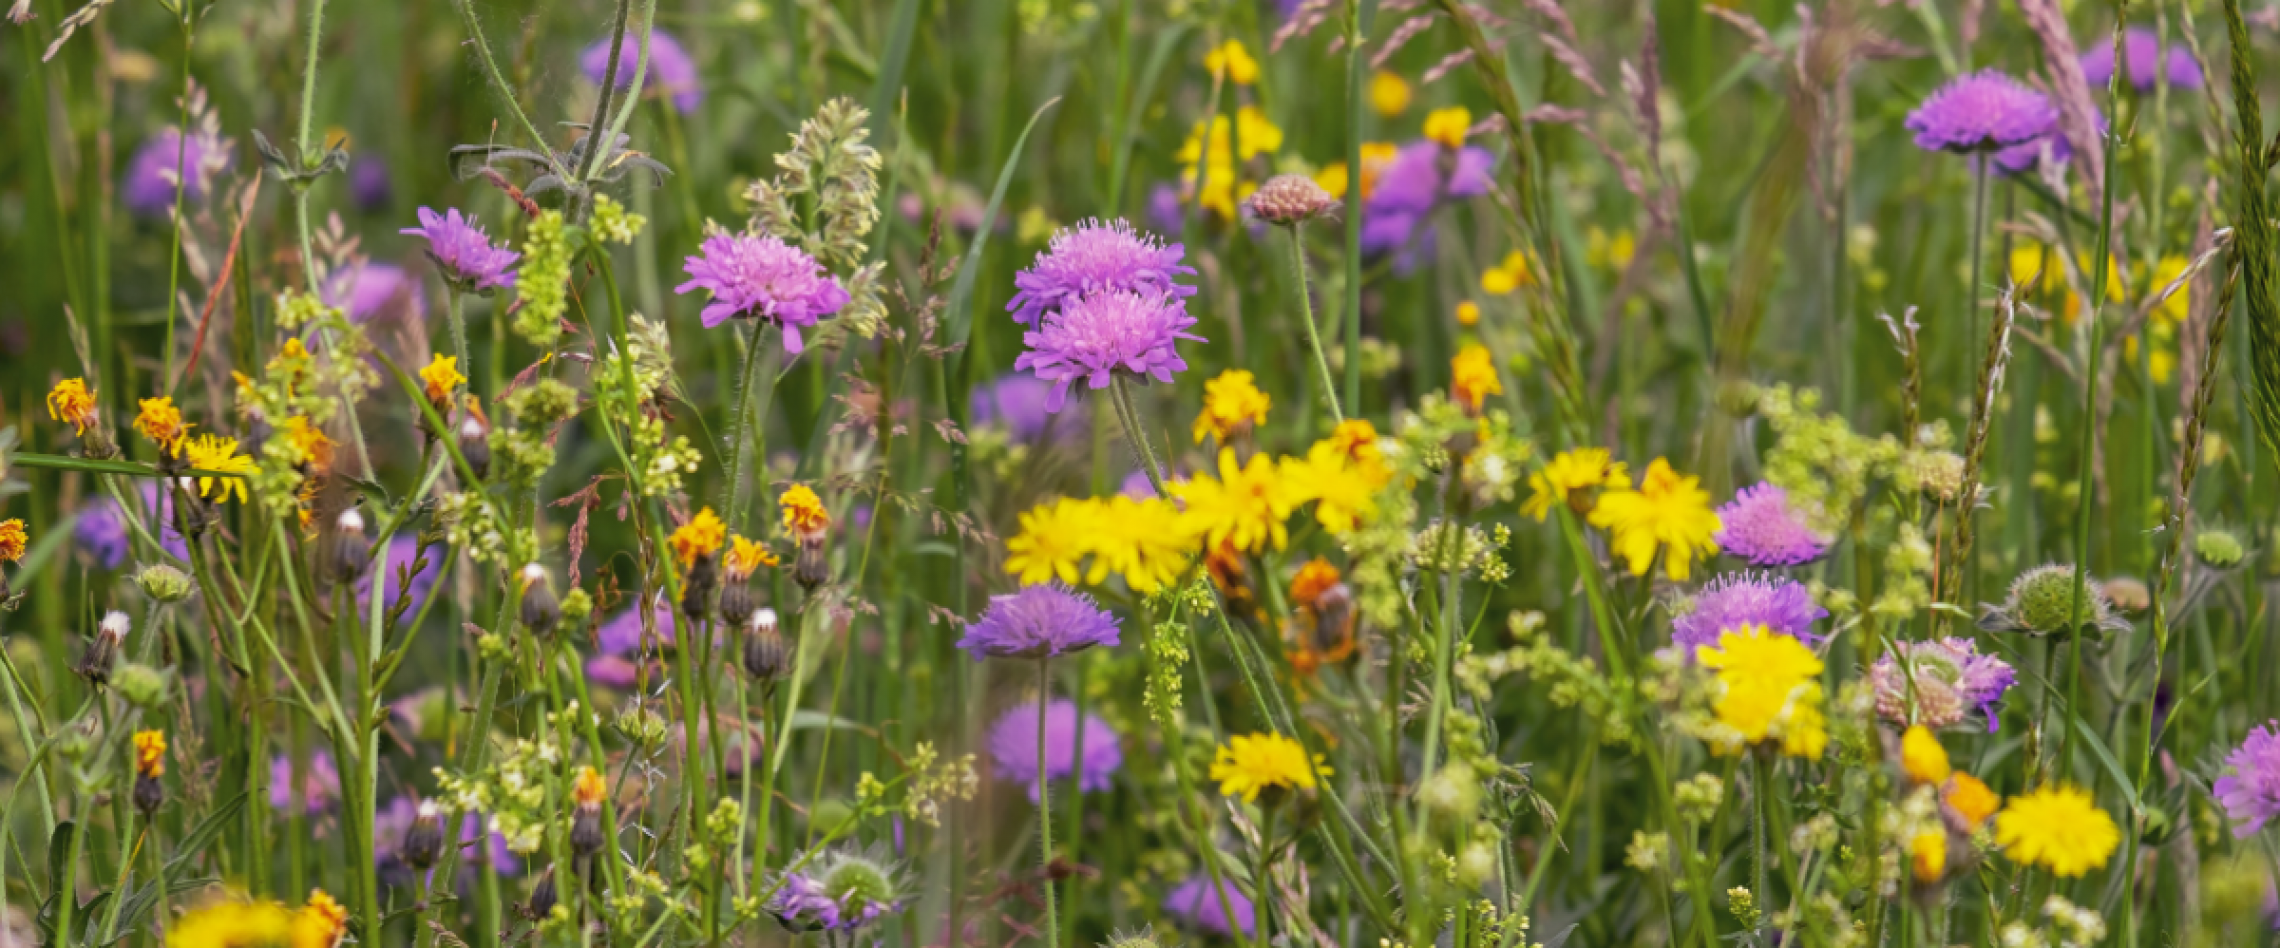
1105,334
162,423
1981,112
2250,793
1244,507
1194,904
209,452
464,253
2041,601
1013,745
1668,512
73,403
1407,187
1769,689
1731,601
13,539
1016,401
671,71
1472,377
1232,404
1762,528
1039,622
320,783
1568,478
804,513
758,276
1949,679
1250,763
2142,56
2058,827
838,891
152,175
1097,257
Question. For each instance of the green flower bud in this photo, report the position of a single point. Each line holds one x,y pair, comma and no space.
143,686
164,583
2219,548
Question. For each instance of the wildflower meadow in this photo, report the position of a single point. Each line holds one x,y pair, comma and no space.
1139,473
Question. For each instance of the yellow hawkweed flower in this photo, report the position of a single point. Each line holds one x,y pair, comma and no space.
1344,493
162,423
1769,689
1250,135
13,539
1517,270
1231,403
1055,537
2058,827
1244,507
1234,60
1449,126
1971,799
1472,377
1922,757
803,511
745,556
1927,855
232,923
1357,440
439,377
1248,764
700,537
320,923
1468,314
588,790
1141,540
1669,512
73,403
150,753
1389,93
218,454
1568,476
309,443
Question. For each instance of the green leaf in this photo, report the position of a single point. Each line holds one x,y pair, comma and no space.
202,835
140,902
57,462
960,321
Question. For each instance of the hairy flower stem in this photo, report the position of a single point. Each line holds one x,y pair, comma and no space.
1045,806
742,430
1313,332
1357,16
1982,169
453,305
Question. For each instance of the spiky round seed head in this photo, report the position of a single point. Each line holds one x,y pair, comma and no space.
2219,548
1290,199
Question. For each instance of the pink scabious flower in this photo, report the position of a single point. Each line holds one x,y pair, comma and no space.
1761,526
1013,745
1104,334
1783,606
1194,904
2141,54
1039,622
1095,257
670,68
320,783
759,276
2250,794
461,250
1980,112
151,176
368,291
1947,679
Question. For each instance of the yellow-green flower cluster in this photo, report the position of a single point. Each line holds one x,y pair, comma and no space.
513,792
612,223
543,285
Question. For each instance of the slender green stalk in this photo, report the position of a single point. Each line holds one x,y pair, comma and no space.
1313,332
1045,806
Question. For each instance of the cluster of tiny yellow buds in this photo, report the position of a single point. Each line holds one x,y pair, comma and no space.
613,223
296,308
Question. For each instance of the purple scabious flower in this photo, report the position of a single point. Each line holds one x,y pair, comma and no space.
2141,54
838,891
1103,334
1039,622
390,822
1762,527
368,291
1017,401
670,68
101,533
320,785
1164,211
1947,678
2025,156
1731,601
402,551
1980,112
1013,745
151,175
757,275
1193,903
1421,176
464,253
1094,258
617,663
368,183
2250,794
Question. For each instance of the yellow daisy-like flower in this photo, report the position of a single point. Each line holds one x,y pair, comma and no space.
700,537
13,539
439,377
73,403
1055,538
1769,688
1231,402
1669,512
745,556
1243,507
1389,93
162,423
320,923
309,443
1472,377
1142,540
2058,827
2179,304
1568,476
150,753
232,923
1517,270
1250,135
1249,764
218,454
1449,126
1921,756
1375,156
1927,856
1235,61
804,514
1344,493
1971,799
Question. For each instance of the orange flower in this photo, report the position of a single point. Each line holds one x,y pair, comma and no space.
73,403
13,539
803,511
162,423
700,537
588,790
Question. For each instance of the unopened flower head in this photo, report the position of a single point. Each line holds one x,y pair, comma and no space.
1097,257
463,253
1289,199
2041,602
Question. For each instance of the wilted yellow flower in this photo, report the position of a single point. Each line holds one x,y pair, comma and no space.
804,514
587,789
439,377
1248,764
150,753
1236,61
745,556
1449,126
1054,540
698,538
1472,377
218,454
2058,827
1668,512
1389,93
1244,507
162,423
1568,476
73,403
1231,403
